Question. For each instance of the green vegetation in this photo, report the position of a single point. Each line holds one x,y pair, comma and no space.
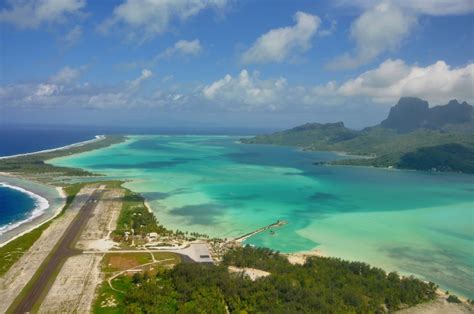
135,215
401,141
109,300
35,164
323,285
453,299
14,250
448,157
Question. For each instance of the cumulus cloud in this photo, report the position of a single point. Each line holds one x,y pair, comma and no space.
247,92
279,44
379,29
145,19
384,25
437,83
33,13
182,48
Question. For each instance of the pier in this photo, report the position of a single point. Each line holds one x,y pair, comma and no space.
278,223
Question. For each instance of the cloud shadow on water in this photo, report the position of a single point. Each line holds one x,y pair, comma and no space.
202,214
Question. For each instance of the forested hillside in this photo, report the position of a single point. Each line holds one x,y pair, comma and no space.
411,131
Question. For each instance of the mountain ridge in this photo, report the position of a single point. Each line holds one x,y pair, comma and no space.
410,128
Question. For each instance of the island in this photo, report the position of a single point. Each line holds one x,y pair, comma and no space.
108,250
413,136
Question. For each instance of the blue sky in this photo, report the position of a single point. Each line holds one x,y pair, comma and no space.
225,63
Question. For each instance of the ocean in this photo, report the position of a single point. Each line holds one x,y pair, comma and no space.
16,206
412,222
20,201
15,140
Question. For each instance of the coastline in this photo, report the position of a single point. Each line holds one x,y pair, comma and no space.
56,199
40,205
97,138
55,203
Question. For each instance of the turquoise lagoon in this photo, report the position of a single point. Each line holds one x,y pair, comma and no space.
412,222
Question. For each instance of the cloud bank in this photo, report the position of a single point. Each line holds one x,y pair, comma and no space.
248,92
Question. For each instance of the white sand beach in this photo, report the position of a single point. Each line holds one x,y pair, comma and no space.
50,201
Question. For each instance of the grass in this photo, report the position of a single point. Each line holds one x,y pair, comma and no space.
106,297
71,191
14,250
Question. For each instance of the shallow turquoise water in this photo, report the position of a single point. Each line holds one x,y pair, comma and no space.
412,222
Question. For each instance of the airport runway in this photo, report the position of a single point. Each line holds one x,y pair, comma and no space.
39,284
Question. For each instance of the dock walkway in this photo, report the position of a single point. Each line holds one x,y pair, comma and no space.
278,223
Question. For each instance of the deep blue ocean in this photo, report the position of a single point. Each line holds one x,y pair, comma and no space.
26,140
14,205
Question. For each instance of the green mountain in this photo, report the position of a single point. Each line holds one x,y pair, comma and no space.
413,136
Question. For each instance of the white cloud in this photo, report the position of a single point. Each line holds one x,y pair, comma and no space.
384,25
246,92
437,83
45,90
436,7
33,13
376,31
279,44
65,75
146,19
182,48
146,74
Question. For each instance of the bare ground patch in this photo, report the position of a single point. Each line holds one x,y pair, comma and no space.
74,287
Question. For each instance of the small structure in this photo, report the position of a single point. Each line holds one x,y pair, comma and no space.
152,236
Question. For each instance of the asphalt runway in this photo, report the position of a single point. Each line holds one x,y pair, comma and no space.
52,265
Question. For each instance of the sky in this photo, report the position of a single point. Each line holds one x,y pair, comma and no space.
228,63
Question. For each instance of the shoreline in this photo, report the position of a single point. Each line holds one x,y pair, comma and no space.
31,223
78,144
40,206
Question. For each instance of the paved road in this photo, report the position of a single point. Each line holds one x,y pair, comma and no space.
195,252
53,263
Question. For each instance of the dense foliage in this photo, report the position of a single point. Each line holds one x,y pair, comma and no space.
325,285
453,299
135,215
449,157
